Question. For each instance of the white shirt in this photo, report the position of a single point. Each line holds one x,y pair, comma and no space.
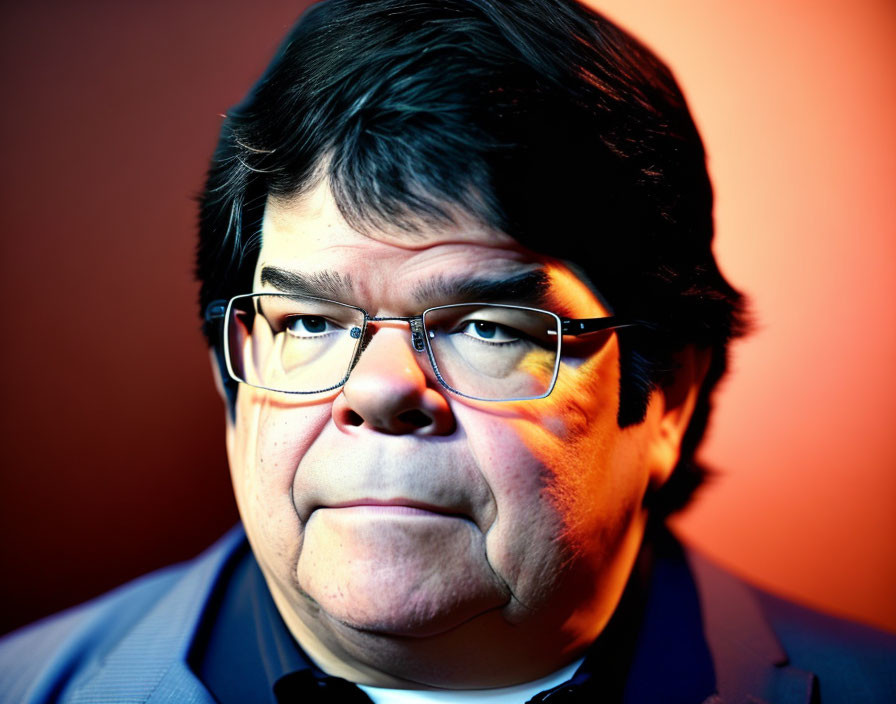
503,695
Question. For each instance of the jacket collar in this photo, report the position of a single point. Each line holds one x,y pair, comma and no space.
150,663
750,663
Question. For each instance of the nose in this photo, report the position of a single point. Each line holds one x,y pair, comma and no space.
389,392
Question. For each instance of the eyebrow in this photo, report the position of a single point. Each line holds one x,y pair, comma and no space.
323,284
528,287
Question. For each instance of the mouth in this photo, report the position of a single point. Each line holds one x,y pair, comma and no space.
397,507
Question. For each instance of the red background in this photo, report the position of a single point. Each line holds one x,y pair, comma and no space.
112,435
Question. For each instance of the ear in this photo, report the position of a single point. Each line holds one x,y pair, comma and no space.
227,391
670,411
216,373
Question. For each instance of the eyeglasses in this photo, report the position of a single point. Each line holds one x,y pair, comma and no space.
484,351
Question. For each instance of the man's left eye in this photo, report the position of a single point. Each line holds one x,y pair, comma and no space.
309,326
489,331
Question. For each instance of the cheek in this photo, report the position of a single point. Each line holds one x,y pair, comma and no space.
268,440
575,436
565,481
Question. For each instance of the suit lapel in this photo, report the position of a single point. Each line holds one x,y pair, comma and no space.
750,663
150,664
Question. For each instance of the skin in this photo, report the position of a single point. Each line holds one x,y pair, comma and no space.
467,544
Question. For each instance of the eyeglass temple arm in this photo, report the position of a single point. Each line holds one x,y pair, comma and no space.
215,310
585,326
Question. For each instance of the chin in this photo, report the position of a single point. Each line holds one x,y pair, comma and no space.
405,610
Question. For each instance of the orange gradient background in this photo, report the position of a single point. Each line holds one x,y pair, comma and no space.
112,434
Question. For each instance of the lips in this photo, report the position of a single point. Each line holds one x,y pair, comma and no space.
396,506
394,472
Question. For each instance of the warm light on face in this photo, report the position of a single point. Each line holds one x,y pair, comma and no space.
392,507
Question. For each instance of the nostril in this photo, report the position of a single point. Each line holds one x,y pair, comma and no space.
352,418
415,418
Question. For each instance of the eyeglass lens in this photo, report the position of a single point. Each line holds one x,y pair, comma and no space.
493,352
305,345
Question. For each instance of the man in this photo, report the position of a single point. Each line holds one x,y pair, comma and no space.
466,322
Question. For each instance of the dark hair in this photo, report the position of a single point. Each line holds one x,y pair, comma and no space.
538,117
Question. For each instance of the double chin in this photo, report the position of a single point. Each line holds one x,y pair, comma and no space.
401,574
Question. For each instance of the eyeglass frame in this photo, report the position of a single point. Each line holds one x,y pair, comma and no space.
573,327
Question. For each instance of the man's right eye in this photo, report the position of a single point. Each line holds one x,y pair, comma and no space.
488,331
309,326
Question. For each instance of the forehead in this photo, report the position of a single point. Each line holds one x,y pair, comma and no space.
308,236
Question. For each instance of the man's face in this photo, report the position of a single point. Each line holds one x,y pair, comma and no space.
410,535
